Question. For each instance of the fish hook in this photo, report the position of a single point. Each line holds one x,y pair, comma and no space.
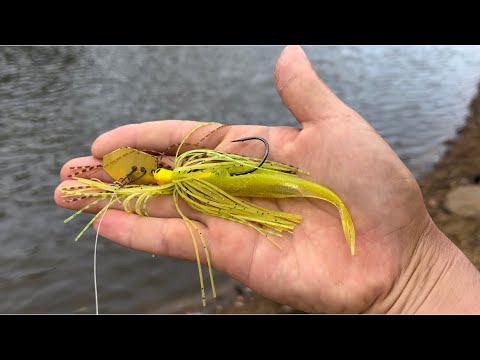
267,148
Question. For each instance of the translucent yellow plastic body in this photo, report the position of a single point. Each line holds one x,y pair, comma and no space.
273,180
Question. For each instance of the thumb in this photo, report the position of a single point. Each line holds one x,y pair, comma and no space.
302,91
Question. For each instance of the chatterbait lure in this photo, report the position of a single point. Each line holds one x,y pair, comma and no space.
210,182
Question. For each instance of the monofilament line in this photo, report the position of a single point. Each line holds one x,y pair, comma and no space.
95,257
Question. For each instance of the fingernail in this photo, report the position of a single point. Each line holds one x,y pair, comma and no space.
298,49
301,51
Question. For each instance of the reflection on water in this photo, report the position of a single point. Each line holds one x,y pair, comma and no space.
54,101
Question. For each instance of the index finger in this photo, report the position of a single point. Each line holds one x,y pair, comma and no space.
160,136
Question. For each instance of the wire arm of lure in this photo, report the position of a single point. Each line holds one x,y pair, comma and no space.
267,149
121,182
143,170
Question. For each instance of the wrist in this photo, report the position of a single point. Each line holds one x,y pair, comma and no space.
439,278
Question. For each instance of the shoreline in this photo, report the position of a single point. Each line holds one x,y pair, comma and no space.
458,167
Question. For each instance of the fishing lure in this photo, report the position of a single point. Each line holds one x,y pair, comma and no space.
211,182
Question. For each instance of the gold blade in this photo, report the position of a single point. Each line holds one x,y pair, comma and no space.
120,162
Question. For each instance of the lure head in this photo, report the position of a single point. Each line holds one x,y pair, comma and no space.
163,176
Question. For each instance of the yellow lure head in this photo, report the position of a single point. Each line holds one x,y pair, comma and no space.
163,176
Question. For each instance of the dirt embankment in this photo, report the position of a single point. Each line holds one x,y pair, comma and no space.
458,169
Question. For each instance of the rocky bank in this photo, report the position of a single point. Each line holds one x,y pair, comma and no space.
452,189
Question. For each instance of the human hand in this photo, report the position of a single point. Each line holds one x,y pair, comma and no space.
396,239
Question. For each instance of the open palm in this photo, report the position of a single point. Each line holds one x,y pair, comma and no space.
314,271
